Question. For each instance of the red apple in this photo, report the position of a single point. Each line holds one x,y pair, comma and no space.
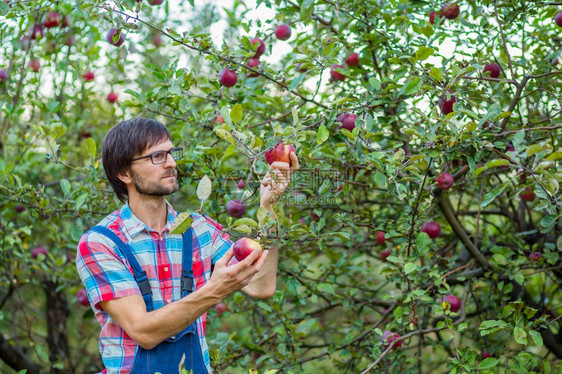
51,20
71,40
445,180
236,208
261,46
385,254
446,105
227,77
82,297
433,229
38,251
253,63
281,152
527,195
88,76
494,70
558,19
450,11
451,302
352,59
535,256
380,237
155,2
219,119
112,97
35,65
220,308
64,23
432,16
336,75
241,184
347,121
283,32
157,40
244,246
37,32
486,355
3,75
19,208
115,36
388,337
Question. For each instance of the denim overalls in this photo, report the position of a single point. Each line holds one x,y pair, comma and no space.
182,349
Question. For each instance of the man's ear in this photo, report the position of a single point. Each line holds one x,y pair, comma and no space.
125,177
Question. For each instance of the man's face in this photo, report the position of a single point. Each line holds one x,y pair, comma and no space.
155,180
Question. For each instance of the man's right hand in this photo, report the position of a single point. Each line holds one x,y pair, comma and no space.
227,279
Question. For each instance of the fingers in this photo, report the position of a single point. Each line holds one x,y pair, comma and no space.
225,259
294,161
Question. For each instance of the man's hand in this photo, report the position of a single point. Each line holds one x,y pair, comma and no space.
231,278
272,187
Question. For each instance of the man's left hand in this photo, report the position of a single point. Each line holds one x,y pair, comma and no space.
273,186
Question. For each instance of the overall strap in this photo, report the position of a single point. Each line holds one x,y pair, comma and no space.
140,275
187,281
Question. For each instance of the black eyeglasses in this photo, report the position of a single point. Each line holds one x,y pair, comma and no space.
160,157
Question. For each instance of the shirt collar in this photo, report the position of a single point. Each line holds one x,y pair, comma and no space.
134,226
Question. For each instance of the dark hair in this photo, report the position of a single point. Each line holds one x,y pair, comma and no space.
123,142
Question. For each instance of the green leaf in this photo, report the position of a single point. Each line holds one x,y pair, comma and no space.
490,196
90,145
80,200
520,335
307,8
225,135
295,82
380,179
322,134
488,363
236,113
375,83
181,223
423,243
534,149
494,110
246,221
410,267
65,187
537,337
204,188
423,53
554,156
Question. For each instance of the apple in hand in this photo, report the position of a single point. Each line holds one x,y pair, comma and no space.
82,297
281,152
388,337
494,70
445,180
283,32
432,229
38,251
236,208
227,77
244,246
451,302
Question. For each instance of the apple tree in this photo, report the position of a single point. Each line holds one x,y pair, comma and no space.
422,232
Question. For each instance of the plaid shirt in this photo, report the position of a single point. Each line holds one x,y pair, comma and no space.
107,275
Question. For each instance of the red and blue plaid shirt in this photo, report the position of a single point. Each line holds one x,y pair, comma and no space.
107,275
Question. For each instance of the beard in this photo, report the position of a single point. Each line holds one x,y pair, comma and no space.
152,188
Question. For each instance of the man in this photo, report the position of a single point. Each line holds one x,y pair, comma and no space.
139,276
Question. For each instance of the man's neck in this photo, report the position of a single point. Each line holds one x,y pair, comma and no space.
152,211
